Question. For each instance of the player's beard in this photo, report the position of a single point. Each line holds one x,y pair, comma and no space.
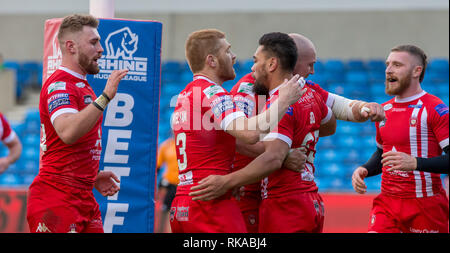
89,65
260,87
226,71
403,84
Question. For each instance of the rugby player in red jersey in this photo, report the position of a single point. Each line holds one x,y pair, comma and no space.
60,199
12,142
409,152
246,98
290,199
206,122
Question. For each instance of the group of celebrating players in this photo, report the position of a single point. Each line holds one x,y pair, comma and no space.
245,157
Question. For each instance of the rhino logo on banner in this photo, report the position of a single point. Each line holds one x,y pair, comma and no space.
121,46
121,43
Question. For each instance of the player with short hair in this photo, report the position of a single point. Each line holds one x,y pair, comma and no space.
11,141
409,146
206,122
60,199
247,99
290,199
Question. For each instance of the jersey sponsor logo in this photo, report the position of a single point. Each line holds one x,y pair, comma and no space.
213,90
372,219
310,82
87,99
221,105
56,96
312,119
56,86
73,228
246,88
383,122
42,228
80,85
441,109
186,178
58,103
422,231
121,47
387,107
290,111
246,105
182,213
415,106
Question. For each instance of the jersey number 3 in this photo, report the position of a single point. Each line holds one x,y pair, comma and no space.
181,145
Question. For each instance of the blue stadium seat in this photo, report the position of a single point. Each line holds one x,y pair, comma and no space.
356,65
335,65
27,179
171,66
376,76
32,122
320,79
330,169
369,142
367,129
381,98
246,66
376,65
326,143
10,179
439,65
349,141
319,66
31,140
30,70
442,89
373,183
359,77
434,76
347,128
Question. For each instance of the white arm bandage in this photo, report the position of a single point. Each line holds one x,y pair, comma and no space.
343,107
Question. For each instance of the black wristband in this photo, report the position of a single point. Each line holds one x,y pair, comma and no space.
96,105
106,96
373,165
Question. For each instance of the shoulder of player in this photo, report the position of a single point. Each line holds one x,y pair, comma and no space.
435,104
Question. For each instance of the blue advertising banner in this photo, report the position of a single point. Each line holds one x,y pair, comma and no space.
130,122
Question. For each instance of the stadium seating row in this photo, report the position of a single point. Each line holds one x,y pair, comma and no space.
337,156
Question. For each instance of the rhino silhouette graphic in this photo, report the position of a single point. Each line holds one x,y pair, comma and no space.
121,43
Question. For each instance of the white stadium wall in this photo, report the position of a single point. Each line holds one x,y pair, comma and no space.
348,29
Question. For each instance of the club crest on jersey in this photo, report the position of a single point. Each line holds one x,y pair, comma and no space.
413,121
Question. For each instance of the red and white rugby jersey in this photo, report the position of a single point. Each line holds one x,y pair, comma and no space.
7,135
299,127
246,100
418,126
77,165
203,148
